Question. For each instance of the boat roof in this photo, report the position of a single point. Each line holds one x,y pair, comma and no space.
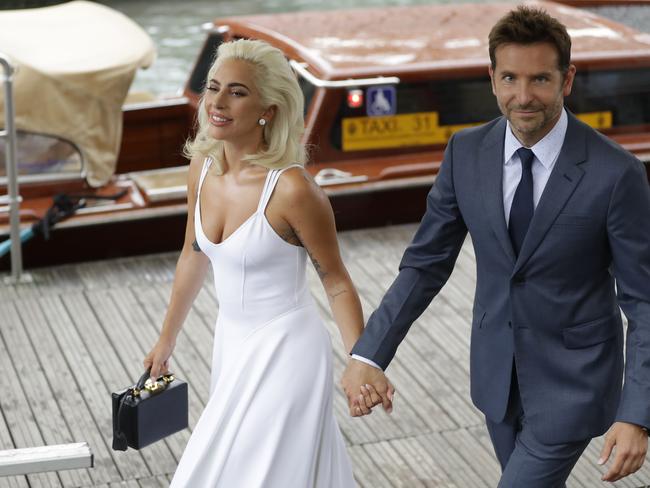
75,63
405,40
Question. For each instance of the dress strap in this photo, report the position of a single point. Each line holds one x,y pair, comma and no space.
271,180
207,162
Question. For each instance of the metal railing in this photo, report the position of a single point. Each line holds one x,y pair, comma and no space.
301,69
9,134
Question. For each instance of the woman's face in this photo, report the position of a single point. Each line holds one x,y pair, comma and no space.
233,105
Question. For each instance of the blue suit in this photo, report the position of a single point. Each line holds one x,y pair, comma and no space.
553,310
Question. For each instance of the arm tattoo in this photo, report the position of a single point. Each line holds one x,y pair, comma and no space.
195,246
321,272
336,294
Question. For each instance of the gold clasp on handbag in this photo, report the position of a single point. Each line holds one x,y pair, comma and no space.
156,386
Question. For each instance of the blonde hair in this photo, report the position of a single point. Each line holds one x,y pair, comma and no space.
277,85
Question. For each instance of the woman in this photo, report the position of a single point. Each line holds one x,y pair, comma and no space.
255,214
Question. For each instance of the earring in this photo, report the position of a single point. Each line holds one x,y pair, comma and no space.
262,121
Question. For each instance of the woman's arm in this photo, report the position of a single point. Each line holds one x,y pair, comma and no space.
191,269
309,213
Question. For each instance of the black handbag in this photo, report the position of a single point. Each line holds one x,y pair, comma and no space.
148,411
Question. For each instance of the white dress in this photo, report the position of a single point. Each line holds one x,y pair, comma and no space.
268,422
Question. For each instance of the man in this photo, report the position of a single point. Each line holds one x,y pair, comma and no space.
558,216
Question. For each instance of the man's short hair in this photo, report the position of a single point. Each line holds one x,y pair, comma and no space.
529,25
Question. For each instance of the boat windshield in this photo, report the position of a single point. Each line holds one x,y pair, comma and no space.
39,154
308,90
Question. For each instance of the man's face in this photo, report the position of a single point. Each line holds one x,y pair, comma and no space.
530,88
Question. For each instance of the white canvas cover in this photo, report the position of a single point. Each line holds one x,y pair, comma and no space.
76,62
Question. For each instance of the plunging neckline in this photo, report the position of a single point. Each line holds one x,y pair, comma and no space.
242,225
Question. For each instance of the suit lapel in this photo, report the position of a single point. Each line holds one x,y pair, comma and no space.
491,170
560,186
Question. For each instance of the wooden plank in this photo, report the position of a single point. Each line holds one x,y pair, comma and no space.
422,466
483,461
6,442
45,458
69,395
106,375
88,390
455,466
159,481
28,359
18,413
393,465
366,471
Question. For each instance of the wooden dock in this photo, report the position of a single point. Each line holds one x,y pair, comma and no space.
79,332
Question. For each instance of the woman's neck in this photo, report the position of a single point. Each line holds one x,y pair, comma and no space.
234,154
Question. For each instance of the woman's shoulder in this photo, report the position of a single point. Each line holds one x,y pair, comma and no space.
297,185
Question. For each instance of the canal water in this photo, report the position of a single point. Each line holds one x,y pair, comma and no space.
176,28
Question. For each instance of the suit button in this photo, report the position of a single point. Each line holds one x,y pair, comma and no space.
519,279
509,324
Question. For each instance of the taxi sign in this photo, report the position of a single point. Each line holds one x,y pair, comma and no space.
381,100
420,129
415,129
597,120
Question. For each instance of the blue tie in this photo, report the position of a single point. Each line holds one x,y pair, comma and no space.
522,209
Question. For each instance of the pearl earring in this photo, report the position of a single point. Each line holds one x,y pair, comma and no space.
262,121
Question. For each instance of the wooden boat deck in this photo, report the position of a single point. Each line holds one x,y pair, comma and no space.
79,332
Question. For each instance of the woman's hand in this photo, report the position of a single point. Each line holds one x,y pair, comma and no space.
158,357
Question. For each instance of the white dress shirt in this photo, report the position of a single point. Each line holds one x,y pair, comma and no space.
546,152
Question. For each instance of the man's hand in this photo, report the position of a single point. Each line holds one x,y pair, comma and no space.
631,442
366,386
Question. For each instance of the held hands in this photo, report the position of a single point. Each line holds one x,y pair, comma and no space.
631,442
158,357
366,386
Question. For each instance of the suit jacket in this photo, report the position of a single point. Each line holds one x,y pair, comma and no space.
554,309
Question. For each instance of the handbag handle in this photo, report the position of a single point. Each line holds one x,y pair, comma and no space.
152,386
143,379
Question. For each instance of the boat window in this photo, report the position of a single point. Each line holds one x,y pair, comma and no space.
621,97
308,91
428,113
204,61
441,105
39,154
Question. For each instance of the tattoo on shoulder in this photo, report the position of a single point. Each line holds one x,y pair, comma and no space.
195,246
311,181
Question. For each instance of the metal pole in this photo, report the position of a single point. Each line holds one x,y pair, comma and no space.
12,170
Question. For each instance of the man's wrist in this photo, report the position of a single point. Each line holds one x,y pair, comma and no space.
366,360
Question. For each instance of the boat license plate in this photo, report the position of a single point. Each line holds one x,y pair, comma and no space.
415,129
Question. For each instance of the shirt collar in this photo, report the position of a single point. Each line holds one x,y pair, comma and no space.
546,150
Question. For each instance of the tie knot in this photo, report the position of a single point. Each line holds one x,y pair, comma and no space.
526,156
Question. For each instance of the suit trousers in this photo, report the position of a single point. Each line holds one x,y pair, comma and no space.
525,461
